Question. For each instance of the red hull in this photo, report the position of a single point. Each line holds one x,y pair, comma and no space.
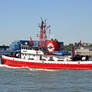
14,63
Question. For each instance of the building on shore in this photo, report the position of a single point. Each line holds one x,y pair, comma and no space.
3,49
84,51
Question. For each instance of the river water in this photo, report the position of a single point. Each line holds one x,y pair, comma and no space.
44,80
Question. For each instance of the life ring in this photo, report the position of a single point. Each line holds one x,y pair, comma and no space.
50,47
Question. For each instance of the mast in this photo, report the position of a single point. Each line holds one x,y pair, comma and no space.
43,35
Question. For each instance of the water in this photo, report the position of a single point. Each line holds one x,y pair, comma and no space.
39,80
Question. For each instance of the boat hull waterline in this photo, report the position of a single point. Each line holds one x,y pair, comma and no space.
16,62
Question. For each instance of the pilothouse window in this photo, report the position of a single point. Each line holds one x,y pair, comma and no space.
51,59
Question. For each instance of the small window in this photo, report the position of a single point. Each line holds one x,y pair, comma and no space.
51,59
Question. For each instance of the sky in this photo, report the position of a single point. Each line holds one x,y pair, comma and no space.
70,20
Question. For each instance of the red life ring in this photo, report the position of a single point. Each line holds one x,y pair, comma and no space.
50,47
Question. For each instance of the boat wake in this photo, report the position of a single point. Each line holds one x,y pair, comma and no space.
26,68
36,69
4,66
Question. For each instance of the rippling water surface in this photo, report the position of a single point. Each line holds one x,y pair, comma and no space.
39,80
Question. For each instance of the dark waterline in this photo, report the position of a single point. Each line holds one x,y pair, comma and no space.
39,80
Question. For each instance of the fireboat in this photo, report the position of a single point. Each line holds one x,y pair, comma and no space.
43,56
